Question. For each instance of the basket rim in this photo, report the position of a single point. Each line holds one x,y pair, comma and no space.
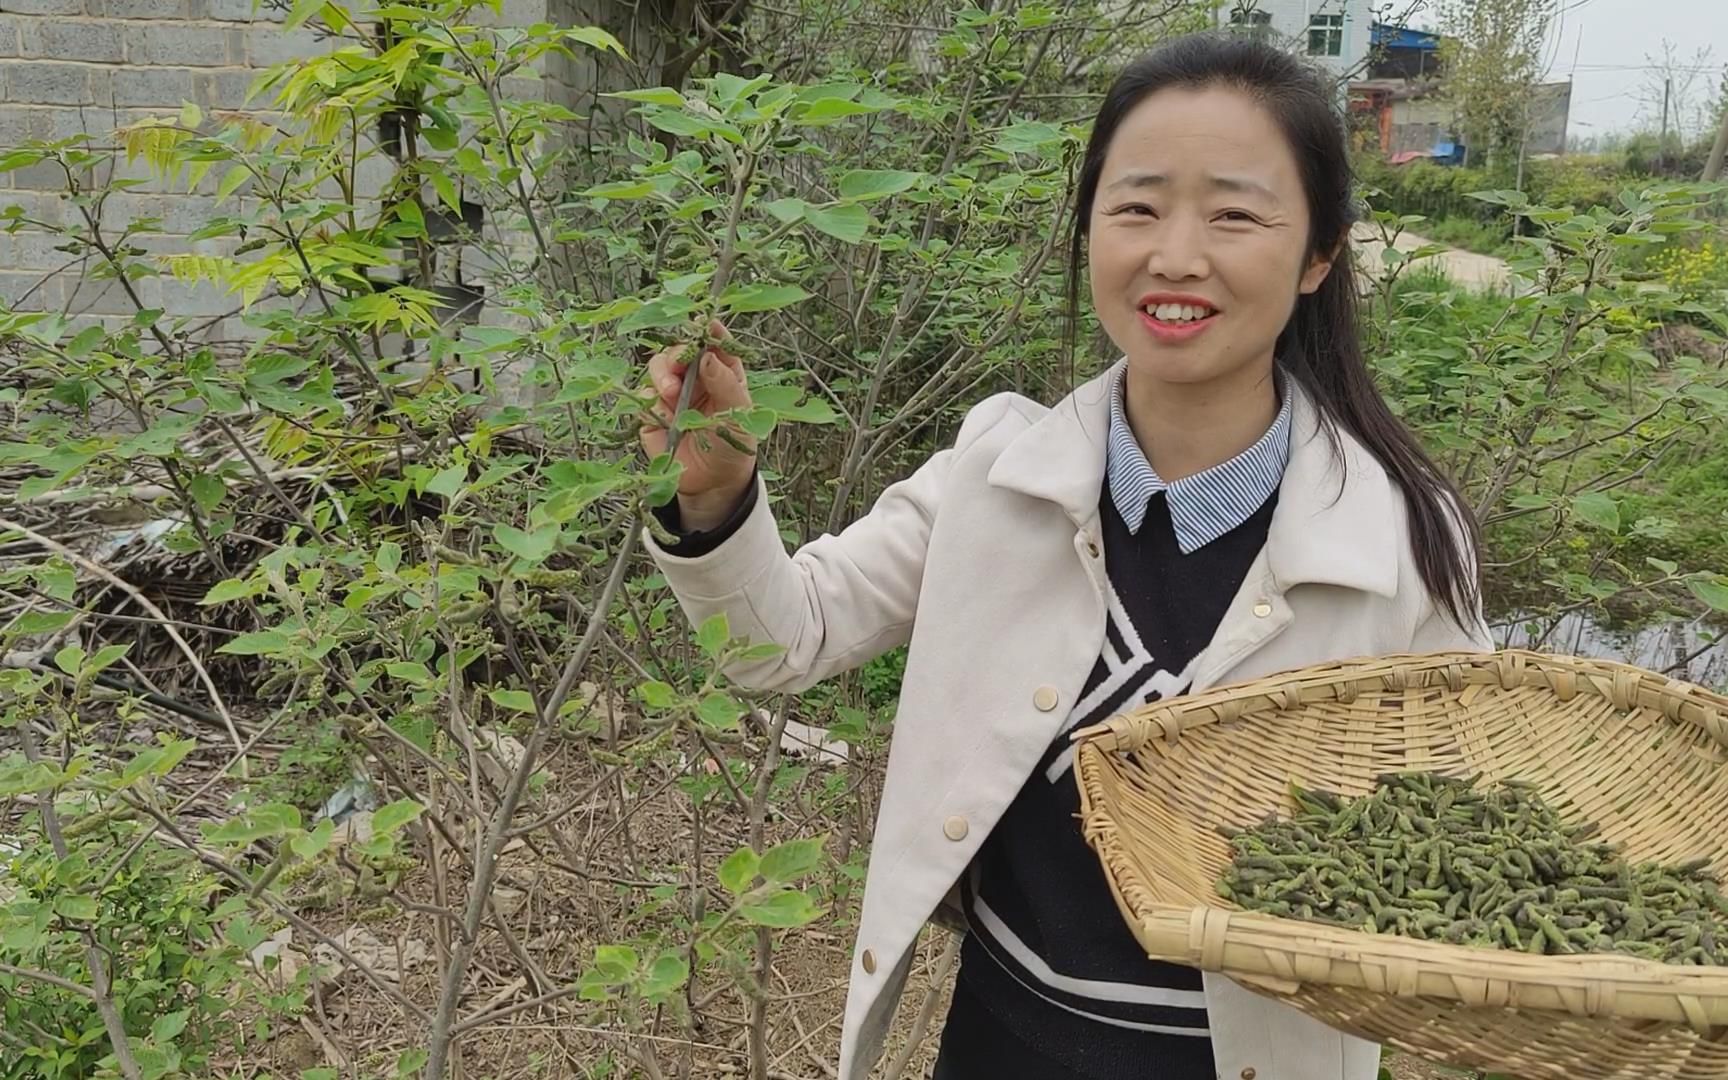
1286,953
1627,686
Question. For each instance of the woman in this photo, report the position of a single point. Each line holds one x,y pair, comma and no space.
1231,499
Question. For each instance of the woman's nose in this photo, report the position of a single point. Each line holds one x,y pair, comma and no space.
1178,252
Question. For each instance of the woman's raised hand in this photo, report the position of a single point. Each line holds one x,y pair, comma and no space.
716,472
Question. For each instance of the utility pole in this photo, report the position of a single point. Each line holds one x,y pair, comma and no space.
1713,167
1662,140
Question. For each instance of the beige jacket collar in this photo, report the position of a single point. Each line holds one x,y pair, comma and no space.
1323,531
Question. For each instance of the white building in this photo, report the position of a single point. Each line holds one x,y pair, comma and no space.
1334,33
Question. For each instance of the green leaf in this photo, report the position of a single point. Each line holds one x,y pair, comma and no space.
448,481
446,189
70,659
657,695
86,341
1598,509
670,971
271,819
782,910
409,671
309,845
229,589
391,817
40,622
787,862
303,10
831,110
621,189
719,710
660,312
515,700
763,297
850,223
207,490
530,547
787,210
1713,591
738,871
231,181
1663,565
256,643
81,908
594,38
866,184
714,633
389,557
616,963
658,95
1028,137
165,1027
105,658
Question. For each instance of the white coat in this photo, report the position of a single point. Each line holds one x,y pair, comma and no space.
988,560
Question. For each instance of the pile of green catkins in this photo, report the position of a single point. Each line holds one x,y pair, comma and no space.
1426,856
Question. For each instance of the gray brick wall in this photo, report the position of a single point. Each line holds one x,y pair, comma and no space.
71,67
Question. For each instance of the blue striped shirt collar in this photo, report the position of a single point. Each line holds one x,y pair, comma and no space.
1208,504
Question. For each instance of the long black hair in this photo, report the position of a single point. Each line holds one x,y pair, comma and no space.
1321,346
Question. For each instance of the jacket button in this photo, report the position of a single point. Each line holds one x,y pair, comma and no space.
868,962
955,828
1092,548
1045,698
1261,610
1248,1073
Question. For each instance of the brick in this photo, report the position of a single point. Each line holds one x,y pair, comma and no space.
226,89
139,9
151,86
44,176
89,296
59,39
193,46
35,251
40,208
266,46
48,84
14,126
28,291
9,34
241,11
200,299
44,7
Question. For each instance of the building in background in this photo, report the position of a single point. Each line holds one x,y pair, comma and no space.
1399,105
1333,33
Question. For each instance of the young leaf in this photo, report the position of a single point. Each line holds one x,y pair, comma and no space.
865,184
389,557
849,223
657,695
763,297
714,633
81,908
310,845
70,659
448,481
530,547
658,95
392,816
229,589
719,710
515,700
1598,509
782,910
785,863
1713,592
738,871
256,643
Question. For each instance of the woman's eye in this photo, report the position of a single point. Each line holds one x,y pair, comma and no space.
1136,209
1238,215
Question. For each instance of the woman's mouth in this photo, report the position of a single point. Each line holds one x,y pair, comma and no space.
1177,322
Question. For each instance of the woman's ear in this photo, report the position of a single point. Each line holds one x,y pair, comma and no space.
1319,265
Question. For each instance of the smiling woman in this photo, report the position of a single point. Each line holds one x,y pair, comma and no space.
1230,499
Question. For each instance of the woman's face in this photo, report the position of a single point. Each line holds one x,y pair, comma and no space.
1198,238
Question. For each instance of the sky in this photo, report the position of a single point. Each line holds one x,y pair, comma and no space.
1606,46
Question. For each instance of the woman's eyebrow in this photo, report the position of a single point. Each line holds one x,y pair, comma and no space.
1221,181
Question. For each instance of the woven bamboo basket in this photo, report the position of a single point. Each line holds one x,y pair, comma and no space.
1639,753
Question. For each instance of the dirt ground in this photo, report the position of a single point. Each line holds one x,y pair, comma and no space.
587,888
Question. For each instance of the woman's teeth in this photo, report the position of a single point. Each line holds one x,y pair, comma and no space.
1177,312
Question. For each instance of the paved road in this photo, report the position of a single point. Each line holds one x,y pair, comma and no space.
1465,268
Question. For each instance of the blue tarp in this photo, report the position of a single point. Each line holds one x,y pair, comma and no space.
1402,37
